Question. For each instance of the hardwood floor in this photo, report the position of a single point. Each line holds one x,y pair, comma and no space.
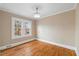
37,48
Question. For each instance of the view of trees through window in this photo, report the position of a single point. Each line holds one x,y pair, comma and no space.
20,27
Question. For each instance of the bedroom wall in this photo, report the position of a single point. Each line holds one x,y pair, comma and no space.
5,28
58,28
77,29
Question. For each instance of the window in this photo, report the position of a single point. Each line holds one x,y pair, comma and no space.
21,28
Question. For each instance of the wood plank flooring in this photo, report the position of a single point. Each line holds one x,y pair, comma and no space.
37,48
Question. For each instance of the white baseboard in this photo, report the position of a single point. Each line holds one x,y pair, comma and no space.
14,44
61,45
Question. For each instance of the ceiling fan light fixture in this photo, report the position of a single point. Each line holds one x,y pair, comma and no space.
37,15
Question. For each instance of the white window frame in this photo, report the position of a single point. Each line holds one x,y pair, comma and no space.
13,27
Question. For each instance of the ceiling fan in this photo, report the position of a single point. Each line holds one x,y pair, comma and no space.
36,14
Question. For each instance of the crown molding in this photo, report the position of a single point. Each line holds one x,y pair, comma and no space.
56,13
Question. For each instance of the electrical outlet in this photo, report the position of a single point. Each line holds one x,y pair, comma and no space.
8,46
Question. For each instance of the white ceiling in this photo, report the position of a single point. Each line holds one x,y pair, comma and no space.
28,9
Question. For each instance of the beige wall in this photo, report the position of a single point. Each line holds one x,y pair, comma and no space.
77,29
58,28
34,26
5,28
